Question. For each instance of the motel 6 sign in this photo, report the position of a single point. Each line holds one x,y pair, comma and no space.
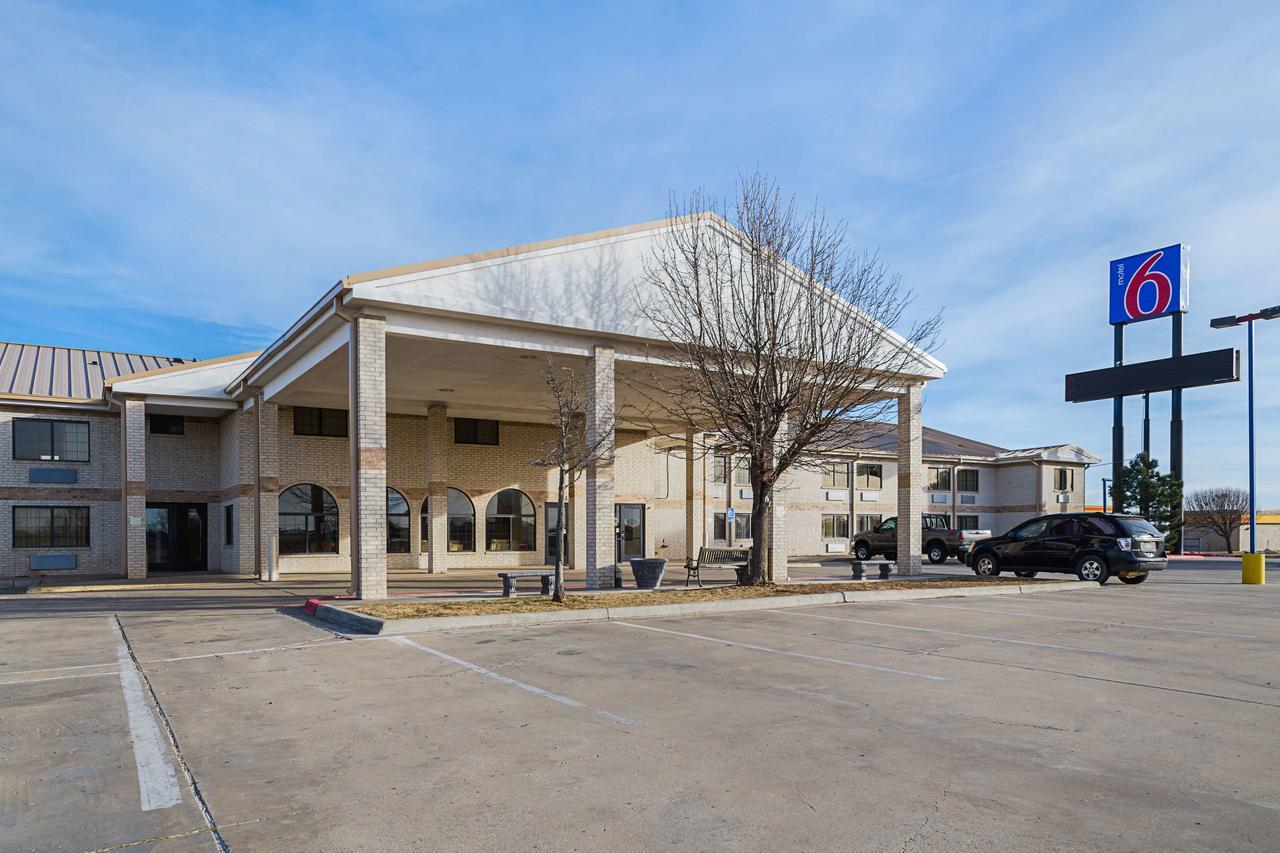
1150,285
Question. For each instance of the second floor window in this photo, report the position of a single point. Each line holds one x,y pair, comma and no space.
835,475
167,424
54,441
742,471
1064,479
473,431
870,476
967,479
326,422
940,479
720,470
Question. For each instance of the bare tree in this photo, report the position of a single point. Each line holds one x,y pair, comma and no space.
1221,509
570,452
778,336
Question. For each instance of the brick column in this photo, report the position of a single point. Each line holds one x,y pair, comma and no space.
601,554
910,480
266,484
367,379
692,539
133,488
437,488
776,559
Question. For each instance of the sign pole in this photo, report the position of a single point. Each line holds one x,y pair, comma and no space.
1175,424
1253,510
1146,425
1117,422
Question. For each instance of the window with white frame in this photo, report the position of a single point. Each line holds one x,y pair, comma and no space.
870,476
835,526
835,475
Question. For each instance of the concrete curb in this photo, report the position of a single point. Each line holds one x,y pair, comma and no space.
372,625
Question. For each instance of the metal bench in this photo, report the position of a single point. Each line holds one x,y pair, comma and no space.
509,581
738,558
860,567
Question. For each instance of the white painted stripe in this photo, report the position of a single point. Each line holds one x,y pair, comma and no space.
111,672
947,633
157,779
801,655
1087,621
262,650
506,679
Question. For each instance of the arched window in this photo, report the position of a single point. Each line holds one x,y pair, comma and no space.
308,521
462,522
509,522
397,523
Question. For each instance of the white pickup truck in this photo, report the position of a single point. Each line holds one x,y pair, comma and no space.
939,539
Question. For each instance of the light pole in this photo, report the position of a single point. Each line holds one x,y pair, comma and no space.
1251,566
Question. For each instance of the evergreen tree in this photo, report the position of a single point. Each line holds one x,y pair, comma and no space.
1142,490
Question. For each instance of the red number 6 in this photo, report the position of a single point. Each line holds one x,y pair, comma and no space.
1164,289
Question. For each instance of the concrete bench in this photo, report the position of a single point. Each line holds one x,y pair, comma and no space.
509,581
860,568
738,558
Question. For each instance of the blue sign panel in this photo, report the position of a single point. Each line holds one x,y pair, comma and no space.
1152,284
729,515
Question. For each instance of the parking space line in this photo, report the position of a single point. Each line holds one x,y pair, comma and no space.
1087,621
756,648
157,779
109,672
506,679
948,633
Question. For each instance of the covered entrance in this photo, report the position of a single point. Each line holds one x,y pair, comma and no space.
176,537
628,523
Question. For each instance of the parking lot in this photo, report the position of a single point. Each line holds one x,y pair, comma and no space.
1124,718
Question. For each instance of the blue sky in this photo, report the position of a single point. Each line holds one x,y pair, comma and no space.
183,179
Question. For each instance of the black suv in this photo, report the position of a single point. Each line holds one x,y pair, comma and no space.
1092,545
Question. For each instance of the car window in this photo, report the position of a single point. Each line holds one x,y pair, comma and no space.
1065,527
1098,527
1030,530
888,524
1138,526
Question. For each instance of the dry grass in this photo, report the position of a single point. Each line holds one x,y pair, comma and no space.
541,604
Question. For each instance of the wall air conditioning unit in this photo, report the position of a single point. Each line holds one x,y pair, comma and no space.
835,547
868,496
837,495
939,499
968,499
745,494
1064,499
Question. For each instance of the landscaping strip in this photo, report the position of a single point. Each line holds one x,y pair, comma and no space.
407,617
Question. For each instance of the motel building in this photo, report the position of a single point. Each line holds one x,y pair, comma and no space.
392,427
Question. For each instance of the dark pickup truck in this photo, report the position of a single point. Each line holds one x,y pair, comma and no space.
939,539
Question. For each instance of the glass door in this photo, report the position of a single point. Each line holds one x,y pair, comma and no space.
552,543
176,538
157,538
629,526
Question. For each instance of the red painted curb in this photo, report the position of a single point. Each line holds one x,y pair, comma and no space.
310,607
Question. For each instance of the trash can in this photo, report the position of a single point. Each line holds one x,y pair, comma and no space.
648,572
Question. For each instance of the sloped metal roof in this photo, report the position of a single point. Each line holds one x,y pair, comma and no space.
30,370
883,437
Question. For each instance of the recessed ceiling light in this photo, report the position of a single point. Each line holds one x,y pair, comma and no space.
528,357
445,390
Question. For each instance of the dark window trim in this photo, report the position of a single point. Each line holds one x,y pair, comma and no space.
228,522
407,515
13,521
977,478
449,517
14,436
337,523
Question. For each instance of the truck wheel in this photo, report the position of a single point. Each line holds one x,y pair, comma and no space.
1025,573
986,565
862,551
1091,567
937,553
1131,579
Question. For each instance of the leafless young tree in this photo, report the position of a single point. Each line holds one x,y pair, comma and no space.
1221,509
570,452
778,336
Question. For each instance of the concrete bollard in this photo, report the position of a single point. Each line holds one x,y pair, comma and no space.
1253,569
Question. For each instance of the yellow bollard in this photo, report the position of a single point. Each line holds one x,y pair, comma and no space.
1253,569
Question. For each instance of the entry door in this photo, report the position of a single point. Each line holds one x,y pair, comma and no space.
176,537
551,528
628,523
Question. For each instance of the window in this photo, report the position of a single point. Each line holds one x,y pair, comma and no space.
509,523
720,469
167,424
835,527
1064,479
397,523
939,479
719,531
59,441
742,471
424,524
462,522
308,521
472,431
967,479
867,523
870,476
51,527
1030,530
228,524
308,420
967,522
1066,527
742,526
835,475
